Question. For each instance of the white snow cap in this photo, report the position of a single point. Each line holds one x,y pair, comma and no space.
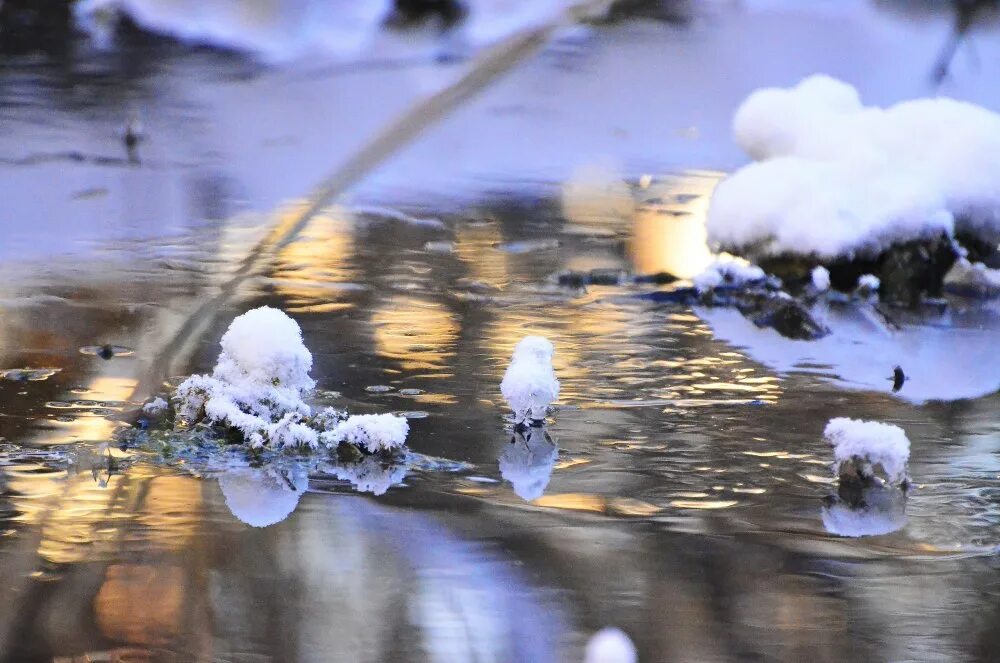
530,383
727,270
373,432
836,178
610,645
867,444
258,382
821,278
155,407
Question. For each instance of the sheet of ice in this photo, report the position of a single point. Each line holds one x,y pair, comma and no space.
610,645
258,382
376,433
529,384
868,444
261,497
821,278
862,351
836,178
527,463
883,511
372,474
727,270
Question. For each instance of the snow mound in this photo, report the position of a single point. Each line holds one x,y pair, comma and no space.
258,382
727,270
376,433
835,178
530,383
821,278
527,464
155,407
863,446
261,497
610,645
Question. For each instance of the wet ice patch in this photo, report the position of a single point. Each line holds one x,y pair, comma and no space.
835,178
530,383
863,450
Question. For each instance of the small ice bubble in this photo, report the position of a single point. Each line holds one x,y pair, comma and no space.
861,448
530,383
821,278
610,645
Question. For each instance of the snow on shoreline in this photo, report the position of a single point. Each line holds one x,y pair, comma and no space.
834,178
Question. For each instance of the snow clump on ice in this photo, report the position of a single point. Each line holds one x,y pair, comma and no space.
835,178
530,383
610,645
377,433
862,447
727,270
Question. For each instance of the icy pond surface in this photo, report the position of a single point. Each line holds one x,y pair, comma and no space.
681,491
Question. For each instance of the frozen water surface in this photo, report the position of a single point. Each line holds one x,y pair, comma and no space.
682,489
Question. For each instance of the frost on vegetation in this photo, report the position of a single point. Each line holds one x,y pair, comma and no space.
610,645
527,463
862,448
835,178
257,389
727,270
821,278
530,383
376,433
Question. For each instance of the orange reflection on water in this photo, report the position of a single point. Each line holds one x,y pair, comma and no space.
416,332
669,233
141,604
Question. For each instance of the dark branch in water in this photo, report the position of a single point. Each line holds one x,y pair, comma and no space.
967,12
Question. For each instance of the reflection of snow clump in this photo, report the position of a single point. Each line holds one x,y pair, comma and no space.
258,382
610,645
530,383
263,496
862,447
372,474
527,466
879,510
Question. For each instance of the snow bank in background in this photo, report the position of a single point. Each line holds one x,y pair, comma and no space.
862,446
527,463
727,270
263,496
836,178
258,382
610,645
376,433
530,383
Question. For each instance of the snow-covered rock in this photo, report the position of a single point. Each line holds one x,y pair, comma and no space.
530,383
527,463
835,178
968,278
375,433
861,448
727,270
155,407
258,382
610,645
